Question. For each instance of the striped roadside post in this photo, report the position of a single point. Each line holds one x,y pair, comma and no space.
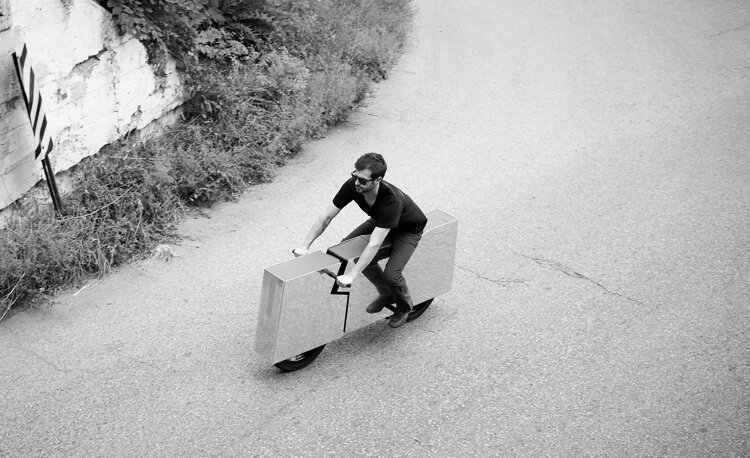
38,119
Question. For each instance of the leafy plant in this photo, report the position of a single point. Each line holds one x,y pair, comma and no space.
188,29
254,106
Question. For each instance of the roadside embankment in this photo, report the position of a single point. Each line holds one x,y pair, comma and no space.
293,70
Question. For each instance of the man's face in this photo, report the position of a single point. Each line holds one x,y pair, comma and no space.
366,176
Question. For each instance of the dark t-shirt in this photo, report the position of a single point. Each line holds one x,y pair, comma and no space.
392,209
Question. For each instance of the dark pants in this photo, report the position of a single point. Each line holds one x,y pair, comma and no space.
390,283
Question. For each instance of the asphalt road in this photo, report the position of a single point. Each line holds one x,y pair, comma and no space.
596,154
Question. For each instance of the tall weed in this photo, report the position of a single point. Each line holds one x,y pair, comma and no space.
245,120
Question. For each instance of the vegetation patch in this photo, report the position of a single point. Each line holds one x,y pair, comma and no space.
266,76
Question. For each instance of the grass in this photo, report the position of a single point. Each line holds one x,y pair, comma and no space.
244,121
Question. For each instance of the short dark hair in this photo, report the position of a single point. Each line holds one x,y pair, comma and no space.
374,162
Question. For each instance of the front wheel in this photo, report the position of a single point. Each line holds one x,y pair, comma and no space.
298,362
419,309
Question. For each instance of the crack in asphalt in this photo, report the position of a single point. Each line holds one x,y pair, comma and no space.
451,315
42,358
154,366
416,324
503,282
733,29
558,266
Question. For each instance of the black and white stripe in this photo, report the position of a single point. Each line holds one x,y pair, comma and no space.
34,106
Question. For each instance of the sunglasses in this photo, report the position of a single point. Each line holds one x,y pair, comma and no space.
362,181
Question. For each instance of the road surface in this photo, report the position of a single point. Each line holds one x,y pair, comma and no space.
596,154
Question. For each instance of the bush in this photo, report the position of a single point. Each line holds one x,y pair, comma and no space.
368,35
120,208
246,118
187,29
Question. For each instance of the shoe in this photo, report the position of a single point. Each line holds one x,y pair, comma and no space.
398,319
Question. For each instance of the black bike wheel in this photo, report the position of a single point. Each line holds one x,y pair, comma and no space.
298,362
419,309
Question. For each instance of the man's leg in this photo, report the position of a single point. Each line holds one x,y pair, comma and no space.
363,229
373,272
403,246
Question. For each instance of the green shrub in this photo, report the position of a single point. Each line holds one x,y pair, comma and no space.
120,207
251,111
187,29
367,34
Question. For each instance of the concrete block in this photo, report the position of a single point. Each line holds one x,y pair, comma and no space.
96,84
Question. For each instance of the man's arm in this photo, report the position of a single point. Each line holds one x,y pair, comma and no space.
368,254
320,225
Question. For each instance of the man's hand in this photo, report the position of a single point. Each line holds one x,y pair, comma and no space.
301,251
344,281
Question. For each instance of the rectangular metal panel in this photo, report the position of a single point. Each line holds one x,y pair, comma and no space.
310,315
298,267
352,248
300,308
362,291
268,316
362,294
428,274
297,311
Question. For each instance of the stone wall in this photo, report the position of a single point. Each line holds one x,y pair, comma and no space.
97,86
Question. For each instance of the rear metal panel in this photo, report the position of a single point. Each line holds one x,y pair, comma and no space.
429,272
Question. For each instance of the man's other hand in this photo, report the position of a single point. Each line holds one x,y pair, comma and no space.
301,251
344,281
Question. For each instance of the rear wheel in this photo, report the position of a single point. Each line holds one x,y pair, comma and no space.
419,309
298,362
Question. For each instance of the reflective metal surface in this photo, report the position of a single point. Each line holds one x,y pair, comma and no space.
302,308
429,272
362,291
297,311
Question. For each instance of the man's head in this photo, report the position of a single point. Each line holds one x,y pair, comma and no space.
369,171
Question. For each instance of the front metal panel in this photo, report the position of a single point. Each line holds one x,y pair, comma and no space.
268,315
302,308
297,311
311,316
